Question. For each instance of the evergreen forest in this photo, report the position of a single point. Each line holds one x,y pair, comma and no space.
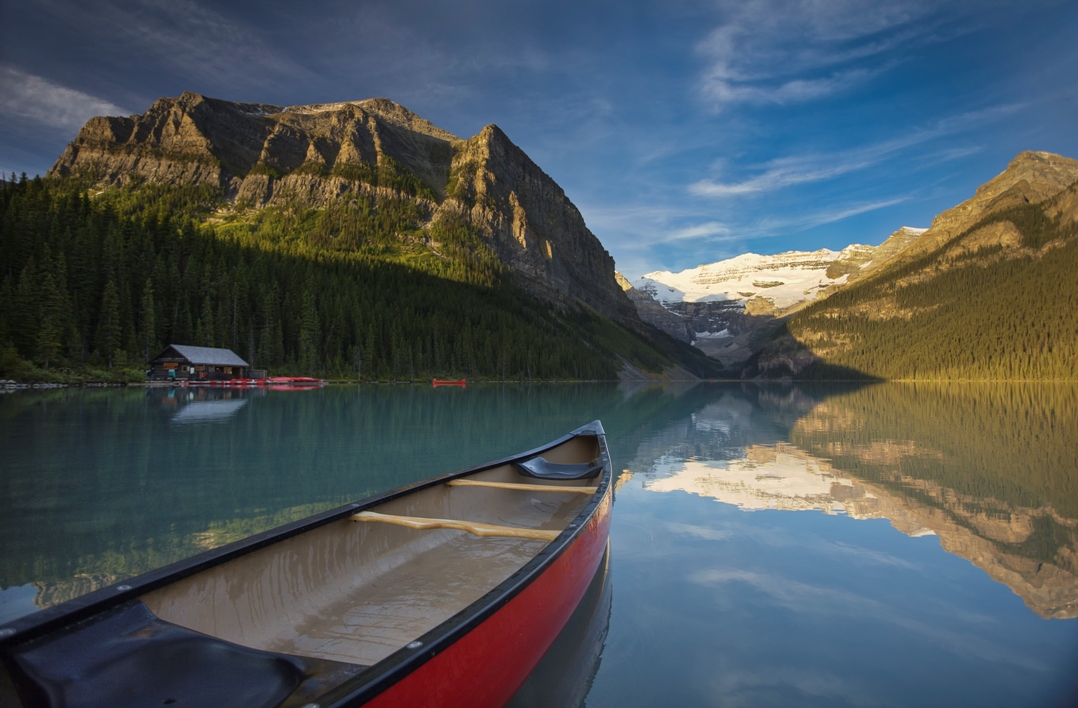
95,283
952,314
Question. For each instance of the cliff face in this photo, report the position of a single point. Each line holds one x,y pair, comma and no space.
655,314
532,226
257,150
264,156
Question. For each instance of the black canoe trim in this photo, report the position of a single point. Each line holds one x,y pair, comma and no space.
393,668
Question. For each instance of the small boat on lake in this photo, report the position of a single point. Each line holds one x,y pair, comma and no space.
449,382
294,381
446,592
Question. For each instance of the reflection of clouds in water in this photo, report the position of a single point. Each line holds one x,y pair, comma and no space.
851,554
740,687
704,532
208,411
805,598
17,601
868,555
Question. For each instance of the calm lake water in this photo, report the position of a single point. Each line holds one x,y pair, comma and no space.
893,545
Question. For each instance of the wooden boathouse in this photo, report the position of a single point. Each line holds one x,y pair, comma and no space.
187,363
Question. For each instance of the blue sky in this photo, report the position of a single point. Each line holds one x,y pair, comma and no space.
686,132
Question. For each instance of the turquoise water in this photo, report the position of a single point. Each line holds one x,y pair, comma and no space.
891,545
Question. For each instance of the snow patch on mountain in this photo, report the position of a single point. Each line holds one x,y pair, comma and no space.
785,278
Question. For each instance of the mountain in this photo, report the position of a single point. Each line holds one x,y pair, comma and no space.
324,155
351,239
987,292
732,307
763,283
656,315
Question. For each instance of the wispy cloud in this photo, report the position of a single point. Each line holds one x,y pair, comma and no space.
788,51
808,220
197,41
706,230
36,99
801,169
785,172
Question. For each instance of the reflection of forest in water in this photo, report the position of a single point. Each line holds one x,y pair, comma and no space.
990,469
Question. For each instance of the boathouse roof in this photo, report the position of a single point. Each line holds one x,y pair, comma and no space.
203,355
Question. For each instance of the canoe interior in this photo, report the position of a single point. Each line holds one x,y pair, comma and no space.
357,592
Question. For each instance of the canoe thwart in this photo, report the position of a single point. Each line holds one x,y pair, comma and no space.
540,468
514,485
473,527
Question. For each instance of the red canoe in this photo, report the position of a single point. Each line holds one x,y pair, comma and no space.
294,381
444,593
442,382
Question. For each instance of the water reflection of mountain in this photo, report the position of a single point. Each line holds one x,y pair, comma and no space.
768,477
991,470
725,420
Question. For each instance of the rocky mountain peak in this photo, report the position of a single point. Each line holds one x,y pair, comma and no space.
388,111
318,155
1030,178
532,225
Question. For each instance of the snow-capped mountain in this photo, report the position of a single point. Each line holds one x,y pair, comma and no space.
783,280
730,307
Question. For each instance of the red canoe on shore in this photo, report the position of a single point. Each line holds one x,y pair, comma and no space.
294,381
443,593
455,382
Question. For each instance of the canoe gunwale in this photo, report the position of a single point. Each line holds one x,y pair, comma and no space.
395,667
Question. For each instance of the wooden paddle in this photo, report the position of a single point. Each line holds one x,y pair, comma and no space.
515,485
479,529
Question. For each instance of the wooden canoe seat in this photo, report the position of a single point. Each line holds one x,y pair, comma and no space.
473,527
515,485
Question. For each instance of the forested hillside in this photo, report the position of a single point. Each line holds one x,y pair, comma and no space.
106,278
999,300
988,292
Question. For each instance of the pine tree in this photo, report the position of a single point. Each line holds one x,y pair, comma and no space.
50,327
205,324
108,326
26,316
147,320
310,336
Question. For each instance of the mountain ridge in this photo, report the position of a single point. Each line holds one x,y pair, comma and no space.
963,301
751,312
318,155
